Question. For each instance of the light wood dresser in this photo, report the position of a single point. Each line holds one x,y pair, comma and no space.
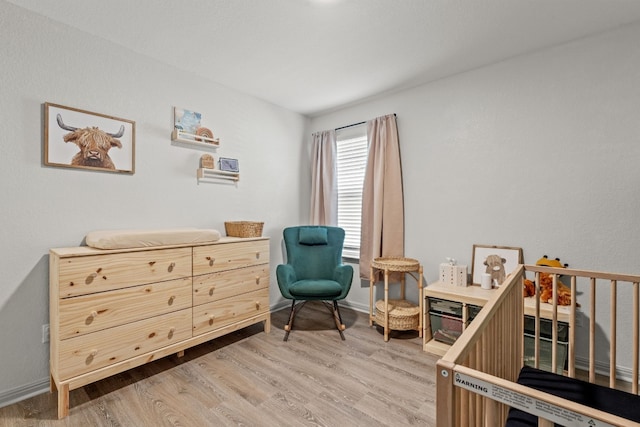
112,310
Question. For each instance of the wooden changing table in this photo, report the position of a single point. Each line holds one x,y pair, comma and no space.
400,266
112,310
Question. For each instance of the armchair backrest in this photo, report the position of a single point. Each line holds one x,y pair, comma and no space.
314,251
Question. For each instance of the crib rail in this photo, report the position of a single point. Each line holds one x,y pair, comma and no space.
482,366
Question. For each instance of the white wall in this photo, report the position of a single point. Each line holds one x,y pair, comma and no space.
43,207
539,152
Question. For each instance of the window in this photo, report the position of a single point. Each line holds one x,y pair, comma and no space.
351,163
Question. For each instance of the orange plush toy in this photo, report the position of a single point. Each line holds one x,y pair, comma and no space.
546,284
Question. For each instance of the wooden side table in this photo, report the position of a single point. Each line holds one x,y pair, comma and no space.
395,265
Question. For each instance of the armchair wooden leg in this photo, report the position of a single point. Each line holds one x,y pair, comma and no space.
289,325
338,319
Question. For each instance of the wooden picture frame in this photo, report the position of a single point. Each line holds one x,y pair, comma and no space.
228,165
75,138
511,256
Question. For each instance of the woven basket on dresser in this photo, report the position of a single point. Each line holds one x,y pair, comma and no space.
243,228
403,315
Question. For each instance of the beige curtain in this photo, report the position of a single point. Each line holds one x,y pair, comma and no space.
382,232
324,184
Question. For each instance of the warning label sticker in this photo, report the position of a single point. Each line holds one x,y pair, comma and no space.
526,403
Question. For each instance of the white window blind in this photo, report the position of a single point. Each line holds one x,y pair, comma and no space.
351,163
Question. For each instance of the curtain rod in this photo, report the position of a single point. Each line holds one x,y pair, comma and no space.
355,124
348,126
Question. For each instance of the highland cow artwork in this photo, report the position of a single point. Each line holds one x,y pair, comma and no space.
81,139
498,261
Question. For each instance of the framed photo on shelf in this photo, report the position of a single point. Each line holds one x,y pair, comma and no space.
75,138
228,165
499,261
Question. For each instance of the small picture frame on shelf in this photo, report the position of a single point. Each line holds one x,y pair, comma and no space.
228,165
498,261
206,161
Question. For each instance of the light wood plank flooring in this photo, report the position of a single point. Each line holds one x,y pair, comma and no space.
250,378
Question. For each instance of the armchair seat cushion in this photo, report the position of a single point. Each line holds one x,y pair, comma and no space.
315,289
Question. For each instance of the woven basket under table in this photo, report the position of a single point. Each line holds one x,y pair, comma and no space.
403,315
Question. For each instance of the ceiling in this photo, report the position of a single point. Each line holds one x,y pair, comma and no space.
314,56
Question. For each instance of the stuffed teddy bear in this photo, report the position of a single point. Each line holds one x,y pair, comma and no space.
495,267
546,283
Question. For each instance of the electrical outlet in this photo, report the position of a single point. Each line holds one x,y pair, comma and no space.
45,333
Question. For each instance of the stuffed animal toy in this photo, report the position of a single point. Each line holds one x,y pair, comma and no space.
546,284
495,267
529,288
546,262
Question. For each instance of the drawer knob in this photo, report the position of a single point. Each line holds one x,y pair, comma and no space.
171,266
211,261
257,305
257,280
210,320
94,314
90,278
92,354
213,288
257,255
171,331
172,298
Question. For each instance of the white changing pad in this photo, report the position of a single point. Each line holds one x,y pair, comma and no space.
124,239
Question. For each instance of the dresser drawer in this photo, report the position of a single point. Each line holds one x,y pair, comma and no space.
93,312
89,352
225,284
98,273
227,256
214,315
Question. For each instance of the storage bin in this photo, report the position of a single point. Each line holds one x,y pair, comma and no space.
545,353
442,306
445,328
546,328
472,312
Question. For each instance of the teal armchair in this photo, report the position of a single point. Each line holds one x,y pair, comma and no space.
314,270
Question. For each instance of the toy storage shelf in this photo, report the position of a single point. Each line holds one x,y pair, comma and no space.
214,174
184,138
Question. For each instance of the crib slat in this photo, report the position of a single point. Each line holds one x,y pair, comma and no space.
572,331
612,347
536,341
554,323
636,303
592,332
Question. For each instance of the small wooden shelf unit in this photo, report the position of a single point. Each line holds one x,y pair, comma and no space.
112,310
475,295
204,173
198,141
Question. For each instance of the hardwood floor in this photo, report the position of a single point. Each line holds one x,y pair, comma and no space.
250,378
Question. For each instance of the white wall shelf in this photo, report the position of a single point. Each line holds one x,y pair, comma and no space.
204,173
190,139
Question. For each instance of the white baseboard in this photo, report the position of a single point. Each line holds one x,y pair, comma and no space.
622,372
9,397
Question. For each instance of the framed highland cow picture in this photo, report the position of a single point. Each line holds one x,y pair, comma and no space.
497,261
75,138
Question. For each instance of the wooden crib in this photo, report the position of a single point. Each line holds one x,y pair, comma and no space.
477,379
